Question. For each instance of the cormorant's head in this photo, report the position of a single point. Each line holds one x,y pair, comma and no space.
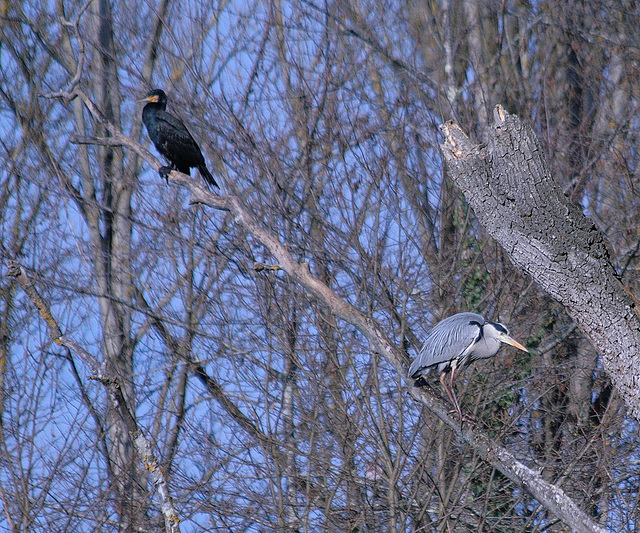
157,97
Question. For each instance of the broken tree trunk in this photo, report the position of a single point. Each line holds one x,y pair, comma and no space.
509,186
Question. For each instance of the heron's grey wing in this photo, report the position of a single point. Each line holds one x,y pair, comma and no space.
447,340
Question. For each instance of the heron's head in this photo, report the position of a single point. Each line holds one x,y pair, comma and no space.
502,334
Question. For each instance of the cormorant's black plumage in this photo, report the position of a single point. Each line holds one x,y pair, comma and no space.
172,138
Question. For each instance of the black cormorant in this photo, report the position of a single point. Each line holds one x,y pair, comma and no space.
172,138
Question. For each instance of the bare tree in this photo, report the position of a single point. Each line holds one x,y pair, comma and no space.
260,338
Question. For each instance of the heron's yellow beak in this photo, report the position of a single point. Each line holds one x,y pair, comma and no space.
512,342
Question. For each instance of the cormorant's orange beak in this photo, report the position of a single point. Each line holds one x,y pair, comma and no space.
153,99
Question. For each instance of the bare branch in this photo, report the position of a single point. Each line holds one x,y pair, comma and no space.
143,446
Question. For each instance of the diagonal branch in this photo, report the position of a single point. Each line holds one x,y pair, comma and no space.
546,493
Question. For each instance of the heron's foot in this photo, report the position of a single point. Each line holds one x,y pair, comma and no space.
464,418
164,172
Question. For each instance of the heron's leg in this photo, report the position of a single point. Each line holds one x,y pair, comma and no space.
451,394
448,388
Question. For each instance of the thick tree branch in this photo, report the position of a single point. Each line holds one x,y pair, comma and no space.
509,186
547,494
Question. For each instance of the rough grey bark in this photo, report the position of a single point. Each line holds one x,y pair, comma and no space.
508,184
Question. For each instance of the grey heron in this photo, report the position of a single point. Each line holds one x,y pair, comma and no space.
455,343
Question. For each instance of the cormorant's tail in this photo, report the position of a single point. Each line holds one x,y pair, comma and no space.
204,172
